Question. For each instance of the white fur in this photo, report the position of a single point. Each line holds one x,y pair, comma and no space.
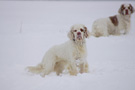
64,56
104,26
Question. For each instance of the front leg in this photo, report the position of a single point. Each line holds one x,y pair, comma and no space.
126,31
72,68
83,66
127,28
117,32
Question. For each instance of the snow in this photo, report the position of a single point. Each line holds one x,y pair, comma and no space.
28,29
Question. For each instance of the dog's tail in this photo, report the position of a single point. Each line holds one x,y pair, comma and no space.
35,69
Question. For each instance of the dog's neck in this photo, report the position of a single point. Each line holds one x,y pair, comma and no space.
80,49
126,17
79,43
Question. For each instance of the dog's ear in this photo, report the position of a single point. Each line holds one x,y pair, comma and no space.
86,33
120,9
132,8
71,35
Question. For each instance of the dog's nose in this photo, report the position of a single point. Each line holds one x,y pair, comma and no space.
78,33
126,11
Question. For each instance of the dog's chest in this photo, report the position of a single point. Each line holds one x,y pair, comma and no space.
79,52
124,24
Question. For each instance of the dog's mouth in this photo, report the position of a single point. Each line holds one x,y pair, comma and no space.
79,37
127,12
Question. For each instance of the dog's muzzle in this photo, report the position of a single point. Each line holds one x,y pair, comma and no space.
79,36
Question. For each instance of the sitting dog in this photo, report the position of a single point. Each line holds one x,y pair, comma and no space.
64,56
113,25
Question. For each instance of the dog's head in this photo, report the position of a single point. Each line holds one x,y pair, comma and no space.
126,9
78,32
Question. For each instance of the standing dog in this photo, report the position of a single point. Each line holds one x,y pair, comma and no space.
114,24
64,56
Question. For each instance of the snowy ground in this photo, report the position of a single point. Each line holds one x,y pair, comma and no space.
29,29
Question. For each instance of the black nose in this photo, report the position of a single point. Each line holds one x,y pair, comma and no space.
78,33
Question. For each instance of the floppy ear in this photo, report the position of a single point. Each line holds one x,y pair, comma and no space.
71,35
132,8
120,9
86,33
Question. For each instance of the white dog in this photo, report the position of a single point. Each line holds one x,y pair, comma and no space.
115,24
64,56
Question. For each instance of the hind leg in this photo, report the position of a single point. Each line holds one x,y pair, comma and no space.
48,67
98,32
48,64
47,70
59,67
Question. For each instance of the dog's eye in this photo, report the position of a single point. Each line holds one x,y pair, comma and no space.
81,30
129,8
123,8
75,30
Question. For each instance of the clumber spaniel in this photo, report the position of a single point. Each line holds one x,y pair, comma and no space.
113,25
64,56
